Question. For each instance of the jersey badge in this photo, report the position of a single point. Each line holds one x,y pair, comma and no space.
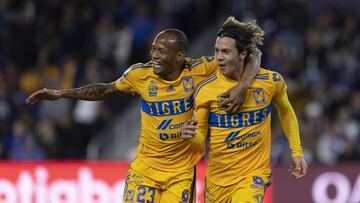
188,83
153,88
259,96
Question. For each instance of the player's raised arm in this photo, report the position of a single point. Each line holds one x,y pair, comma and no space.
92,92
235,97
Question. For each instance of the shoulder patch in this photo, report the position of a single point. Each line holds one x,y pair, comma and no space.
276,77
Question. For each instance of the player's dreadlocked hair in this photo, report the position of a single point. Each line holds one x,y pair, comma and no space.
246,35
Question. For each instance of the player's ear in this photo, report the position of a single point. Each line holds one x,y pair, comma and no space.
180,56
242,55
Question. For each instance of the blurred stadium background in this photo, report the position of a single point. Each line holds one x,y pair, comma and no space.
315,45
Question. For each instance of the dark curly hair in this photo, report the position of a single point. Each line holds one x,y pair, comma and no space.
246,35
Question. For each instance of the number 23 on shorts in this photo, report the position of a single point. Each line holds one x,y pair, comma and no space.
141,194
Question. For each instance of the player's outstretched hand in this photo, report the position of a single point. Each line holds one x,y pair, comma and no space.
298,168
43,94
188,129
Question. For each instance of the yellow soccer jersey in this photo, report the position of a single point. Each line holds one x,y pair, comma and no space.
239,143
165,106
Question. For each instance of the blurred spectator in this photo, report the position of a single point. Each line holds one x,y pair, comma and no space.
143,26
122,38
86,113
21,144
45,132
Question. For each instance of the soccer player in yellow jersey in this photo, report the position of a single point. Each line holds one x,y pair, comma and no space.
239,157
163,170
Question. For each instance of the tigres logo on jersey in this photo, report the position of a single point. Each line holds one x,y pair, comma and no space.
259,96
188,84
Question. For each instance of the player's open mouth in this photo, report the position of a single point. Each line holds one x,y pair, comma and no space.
222,66
156,64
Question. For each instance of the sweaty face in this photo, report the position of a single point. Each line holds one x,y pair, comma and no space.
227,56
163,54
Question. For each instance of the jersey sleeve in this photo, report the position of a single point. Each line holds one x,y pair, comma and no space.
287,116
201,114
126,83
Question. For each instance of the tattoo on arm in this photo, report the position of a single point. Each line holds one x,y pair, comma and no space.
73,92
92,92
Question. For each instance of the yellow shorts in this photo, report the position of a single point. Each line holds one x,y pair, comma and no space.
248,190
145,184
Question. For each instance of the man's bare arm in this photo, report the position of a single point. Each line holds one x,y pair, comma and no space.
92,92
